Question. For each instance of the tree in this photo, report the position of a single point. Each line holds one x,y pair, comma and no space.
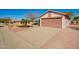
76,19
24,21
31,17
5,20
69,14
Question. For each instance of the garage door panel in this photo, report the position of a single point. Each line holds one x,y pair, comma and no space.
51,23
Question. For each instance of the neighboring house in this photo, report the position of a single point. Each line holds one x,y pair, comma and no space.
54,19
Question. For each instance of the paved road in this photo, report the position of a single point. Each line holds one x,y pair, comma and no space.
67,38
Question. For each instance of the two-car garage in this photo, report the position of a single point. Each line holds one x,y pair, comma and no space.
54,19
51,22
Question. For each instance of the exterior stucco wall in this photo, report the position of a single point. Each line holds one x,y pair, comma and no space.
55,15
52,15
65,22
40,22
45,16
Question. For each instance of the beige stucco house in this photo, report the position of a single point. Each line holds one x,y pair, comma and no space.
54,19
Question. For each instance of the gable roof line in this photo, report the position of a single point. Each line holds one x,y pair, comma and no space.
53,12
43,13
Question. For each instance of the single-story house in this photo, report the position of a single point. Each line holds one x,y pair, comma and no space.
54,19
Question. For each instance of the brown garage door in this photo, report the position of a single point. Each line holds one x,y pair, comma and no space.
51,22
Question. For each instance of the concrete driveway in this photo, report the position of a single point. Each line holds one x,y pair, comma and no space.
30,38
67,38
40,37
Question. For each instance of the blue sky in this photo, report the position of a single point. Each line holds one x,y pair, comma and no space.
22,13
